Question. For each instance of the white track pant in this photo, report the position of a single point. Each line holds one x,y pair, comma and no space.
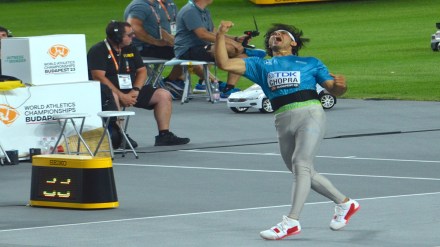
300,132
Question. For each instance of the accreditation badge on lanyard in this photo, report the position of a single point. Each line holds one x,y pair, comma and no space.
173,26
124,80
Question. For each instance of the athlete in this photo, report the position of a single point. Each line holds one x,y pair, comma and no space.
289,81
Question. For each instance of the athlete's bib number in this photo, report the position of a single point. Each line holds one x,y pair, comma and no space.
283,79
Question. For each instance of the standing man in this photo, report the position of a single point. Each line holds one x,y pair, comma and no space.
154,23
118,66
289,81
195,36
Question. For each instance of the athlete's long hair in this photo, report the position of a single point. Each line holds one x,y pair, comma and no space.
297,33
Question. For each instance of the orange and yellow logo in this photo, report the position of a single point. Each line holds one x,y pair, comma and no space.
8,114
58,50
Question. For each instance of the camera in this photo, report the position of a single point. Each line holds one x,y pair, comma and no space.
435,38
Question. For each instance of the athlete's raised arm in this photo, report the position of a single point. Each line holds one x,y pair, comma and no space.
234,65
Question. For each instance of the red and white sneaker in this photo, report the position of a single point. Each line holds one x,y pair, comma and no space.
285,228
343,212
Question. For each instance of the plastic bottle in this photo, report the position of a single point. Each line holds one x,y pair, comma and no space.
45,148
52,144
215,92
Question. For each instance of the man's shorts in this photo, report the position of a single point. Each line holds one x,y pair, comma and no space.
165,52
143,99
200,53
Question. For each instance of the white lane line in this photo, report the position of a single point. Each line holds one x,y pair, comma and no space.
206,212
273,171
379,176
319,156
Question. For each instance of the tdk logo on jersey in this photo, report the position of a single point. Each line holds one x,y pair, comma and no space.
283,79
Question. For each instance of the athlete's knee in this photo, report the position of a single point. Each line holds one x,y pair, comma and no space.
302,168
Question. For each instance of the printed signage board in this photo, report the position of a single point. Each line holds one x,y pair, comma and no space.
43,60
26,114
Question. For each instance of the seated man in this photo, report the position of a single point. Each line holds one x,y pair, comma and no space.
195,36
118,66
154,24
4,33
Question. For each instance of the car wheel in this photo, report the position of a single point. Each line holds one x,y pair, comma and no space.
239,109
327,100
267,106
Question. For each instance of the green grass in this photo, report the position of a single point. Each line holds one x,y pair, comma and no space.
382,46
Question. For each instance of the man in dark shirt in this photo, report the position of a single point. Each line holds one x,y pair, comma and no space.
119,67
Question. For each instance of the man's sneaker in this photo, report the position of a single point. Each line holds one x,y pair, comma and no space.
200,87
225,95
343,212
176,95
170,139
285,228
133,143
179,85
221,86
174,87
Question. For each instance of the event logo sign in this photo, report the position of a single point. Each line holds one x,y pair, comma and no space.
58,50
8,114
61,67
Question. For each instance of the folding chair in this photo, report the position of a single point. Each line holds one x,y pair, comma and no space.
71,117
105,116
6,155
186,65
155,68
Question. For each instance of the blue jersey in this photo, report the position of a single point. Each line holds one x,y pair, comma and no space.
285,75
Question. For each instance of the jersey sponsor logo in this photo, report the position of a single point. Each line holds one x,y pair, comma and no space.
129,55
283,79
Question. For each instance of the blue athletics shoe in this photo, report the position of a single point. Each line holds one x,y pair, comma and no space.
221,86
225,95
200,87
255,52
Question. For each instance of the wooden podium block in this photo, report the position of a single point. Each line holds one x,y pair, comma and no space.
73,181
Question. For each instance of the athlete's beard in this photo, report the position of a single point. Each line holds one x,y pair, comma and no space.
276,48
279,50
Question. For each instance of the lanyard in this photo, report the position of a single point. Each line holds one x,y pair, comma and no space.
157,15
127,66
112,55
165,9
158,21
